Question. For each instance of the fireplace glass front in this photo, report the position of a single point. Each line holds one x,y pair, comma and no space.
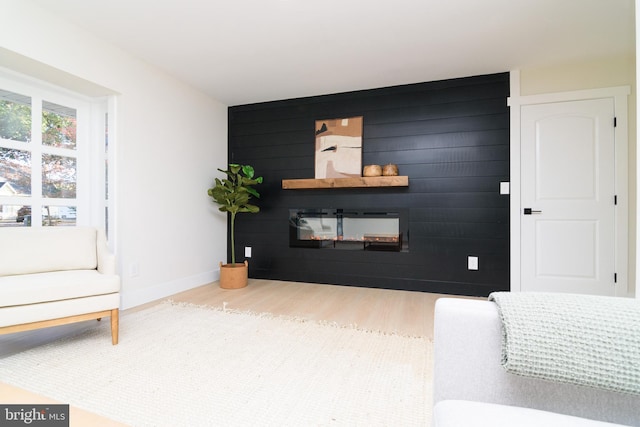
354,229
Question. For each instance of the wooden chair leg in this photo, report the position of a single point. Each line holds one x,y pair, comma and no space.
114,326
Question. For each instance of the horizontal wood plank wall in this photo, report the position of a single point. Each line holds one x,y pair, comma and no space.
450,137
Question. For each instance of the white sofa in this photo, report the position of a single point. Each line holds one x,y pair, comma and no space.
56,275
471,387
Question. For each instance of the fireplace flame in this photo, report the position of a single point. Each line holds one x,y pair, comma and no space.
382,238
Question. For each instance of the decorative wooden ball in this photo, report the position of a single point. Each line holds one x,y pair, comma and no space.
390,170
372,170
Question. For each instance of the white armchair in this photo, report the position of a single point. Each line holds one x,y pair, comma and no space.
56,275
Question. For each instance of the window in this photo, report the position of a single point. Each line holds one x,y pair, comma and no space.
50,141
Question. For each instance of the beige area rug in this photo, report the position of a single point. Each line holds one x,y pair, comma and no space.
180,365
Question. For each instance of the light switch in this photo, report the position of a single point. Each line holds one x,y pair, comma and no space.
247,251
472,262
504,187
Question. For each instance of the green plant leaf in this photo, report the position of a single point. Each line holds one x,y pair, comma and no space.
253,192
248,171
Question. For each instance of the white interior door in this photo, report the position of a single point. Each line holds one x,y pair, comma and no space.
568,197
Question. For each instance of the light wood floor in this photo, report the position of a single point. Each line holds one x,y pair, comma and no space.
402,312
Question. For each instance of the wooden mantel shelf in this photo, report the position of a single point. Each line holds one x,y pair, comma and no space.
358,182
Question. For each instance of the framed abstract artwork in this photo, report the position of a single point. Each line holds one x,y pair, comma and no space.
338,151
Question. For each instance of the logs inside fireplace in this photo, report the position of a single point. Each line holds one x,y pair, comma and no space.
350,229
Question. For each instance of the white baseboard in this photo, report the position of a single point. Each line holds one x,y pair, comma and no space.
137,297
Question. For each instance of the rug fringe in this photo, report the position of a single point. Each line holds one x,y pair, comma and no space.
225,309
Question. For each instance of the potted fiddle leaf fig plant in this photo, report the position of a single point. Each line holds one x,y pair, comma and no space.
233,194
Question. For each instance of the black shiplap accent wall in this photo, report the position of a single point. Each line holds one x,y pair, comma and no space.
450,137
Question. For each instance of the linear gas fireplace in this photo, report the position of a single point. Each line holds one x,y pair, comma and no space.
352,229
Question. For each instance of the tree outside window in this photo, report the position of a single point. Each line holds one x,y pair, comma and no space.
56,155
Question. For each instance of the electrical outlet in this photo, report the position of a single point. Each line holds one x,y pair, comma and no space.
472,262
504,187
134,269
247,251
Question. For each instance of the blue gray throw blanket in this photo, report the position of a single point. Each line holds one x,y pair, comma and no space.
578,339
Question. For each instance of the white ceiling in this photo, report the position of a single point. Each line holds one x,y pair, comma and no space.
246,51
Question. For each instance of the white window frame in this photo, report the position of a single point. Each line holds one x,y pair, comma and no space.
90,198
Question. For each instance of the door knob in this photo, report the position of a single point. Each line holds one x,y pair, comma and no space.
529,211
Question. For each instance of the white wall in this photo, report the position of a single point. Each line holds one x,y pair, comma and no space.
170,138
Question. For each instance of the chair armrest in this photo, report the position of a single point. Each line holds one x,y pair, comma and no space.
467,350
106,260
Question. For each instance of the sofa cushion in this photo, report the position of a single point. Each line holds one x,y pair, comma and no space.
59,285
461,413
35,250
